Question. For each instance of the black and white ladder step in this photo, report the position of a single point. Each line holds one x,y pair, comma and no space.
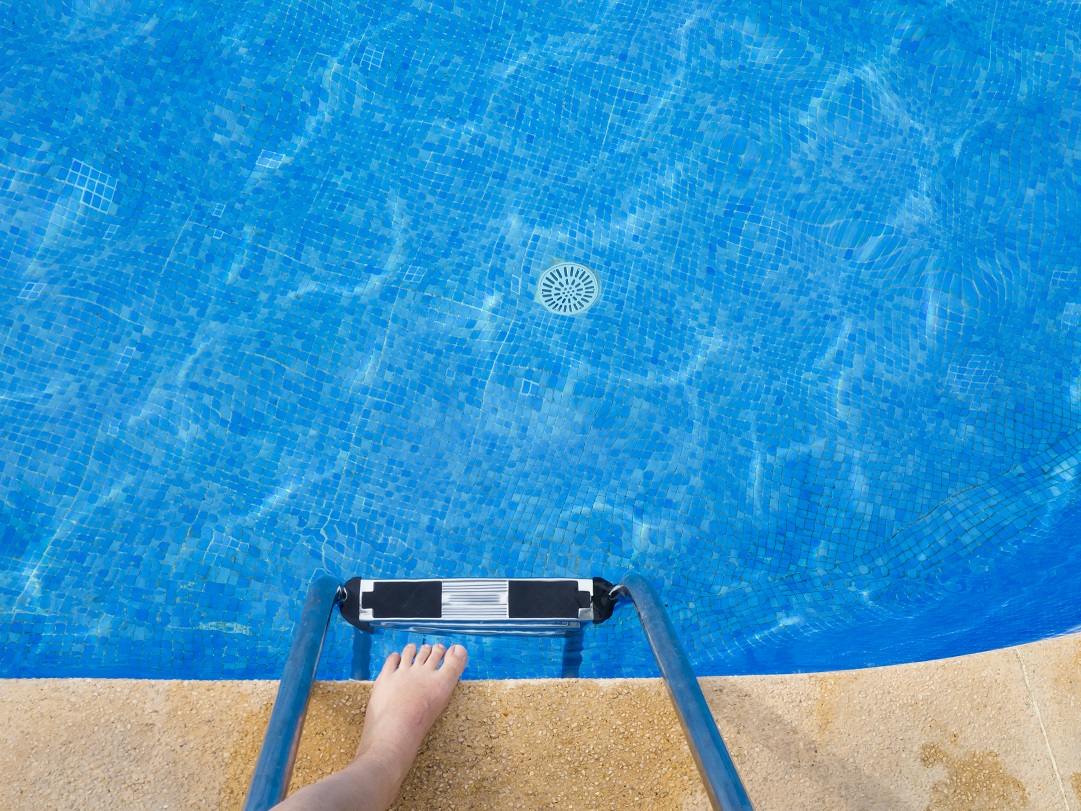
530,607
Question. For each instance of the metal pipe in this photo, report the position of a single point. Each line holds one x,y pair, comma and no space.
360,668
572,654
275,765
723,785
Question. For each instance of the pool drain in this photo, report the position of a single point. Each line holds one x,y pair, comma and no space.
568,288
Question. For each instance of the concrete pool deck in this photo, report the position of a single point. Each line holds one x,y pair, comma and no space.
996,730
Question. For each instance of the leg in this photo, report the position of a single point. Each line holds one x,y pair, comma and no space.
411,691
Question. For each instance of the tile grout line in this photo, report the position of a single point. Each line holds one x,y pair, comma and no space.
1043,729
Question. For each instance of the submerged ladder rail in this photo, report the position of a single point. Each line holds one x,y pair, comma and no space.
274,767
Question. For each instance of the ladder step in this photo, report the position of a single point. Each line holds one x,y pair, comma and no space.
521,607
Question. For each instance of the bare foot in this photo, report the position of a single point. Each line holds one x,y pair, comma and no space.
411,691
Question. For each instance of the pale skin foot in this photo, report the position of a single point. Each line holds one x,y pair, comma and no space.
411,691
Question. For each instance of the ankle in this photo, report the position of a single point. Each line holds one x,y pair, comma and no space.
386,759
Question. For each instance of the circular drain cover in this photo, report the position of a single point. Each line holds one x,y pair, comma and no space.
568,288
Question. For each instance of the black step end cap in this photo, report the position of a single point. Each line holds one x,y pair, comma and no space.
603,601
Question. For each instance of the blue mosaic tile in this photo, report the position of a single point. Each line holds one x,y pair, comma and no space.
267,309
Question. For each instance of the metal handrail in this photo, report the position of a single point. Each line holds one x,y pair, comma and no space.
723,785
274,768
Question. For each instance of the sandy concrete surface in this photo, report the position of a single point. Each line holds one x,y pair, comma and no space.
999,730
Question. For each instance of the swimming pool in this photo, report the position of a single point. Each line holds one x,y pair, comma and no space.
268,309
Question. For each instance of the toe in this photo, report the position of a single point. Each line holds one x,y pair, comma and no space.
436,657
408,654
391,664
423,654
454,661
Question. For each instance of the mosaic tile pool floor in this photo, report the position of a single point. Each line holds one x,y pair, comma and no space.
267,308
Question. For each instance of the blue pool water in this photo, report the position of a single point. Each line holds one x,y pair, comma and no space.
267,276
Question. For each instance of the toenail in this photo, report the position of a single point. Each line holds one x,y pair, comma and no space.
458,650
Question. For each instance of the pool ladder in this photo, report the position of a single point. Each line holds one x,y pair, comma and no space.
560,607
